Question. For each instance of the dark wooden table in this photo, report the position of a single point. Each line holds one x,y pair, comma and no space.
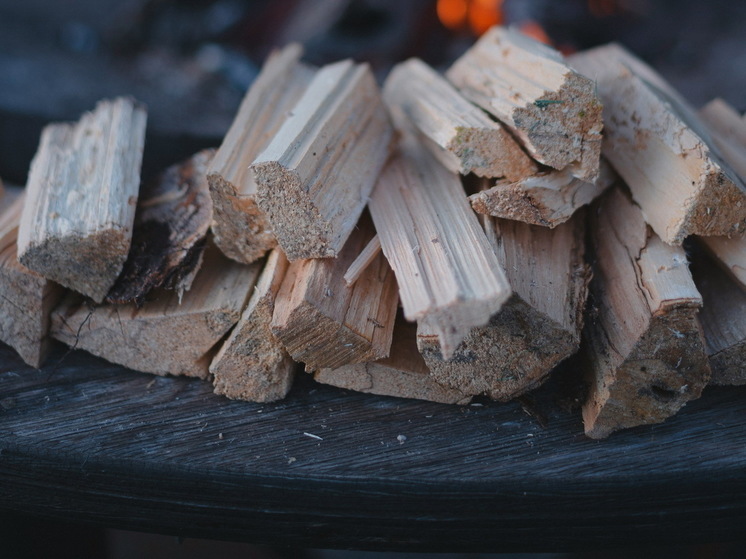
86,441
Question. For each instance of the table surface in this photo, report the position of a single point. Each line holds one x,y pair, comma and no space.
92,442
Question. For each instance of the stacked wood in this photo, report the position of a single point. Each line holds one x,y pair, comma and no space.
165,335
657,144
460,135
548,198
644,342
241,229
83,183
26,298
552,109
314,177
252,364
325,323
538,327
403,373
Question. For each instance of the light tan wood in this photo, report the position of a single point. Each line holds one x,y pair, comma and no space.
721,117
241,230
363,260
26,298
252,364
538,327
448,274
403,374
460,135
730,253
645,345
326,324
547,199
76,225
549,107
663,151
314,178
164,336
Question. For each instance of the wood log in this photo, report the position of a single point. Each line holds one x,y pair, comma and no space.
77,220
241,229
173,218
552,110
314,178
403,374
448,274
252,364
326,324
26,298
547,199
644,343
366,257
460,135
165,336
730,253
538,327
665,154
725,120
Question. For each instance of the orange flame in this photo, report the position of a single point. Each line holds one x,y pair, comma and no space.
476,15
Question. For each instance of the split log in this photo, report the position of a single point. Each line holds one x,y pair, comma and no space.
326,324
460,135
726,121
549,107
164,336
173,218
77,221
26,298
645,345
252,364
448,275
363,260
656,143
538,327
730,253
241,230
547,199
314,178
403,374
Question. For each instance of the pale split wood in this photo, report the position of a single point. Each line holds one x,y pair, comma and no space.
547,199
663,151
252,364
314,178
536,328
552,109
730,253
644,342
26,298
241,229
83,183
728,132
326,324
363,260
461,135
403,374
165,336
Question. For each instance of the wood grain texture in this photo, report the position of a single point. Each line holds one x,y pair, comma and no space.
241,229
314,177
730,253
366,257
460,135
658,145
553,110
644,343
83,183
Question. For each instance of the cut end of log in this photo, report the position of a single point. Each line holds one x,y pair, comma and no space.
490,152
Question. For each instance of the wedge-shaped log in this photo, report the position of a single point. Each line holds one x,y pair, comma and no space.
549,107
402,374
26,298
164,336
730,253
241,230
314,178
538,327
448,275
252,364
459,134
645,345
326,324
658,145
77,220
547,199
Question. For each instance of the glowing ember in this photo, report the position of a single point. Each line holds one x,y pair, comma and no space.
475,15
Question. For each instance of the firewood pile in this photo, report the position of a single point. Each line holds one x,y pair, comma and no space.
442,237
